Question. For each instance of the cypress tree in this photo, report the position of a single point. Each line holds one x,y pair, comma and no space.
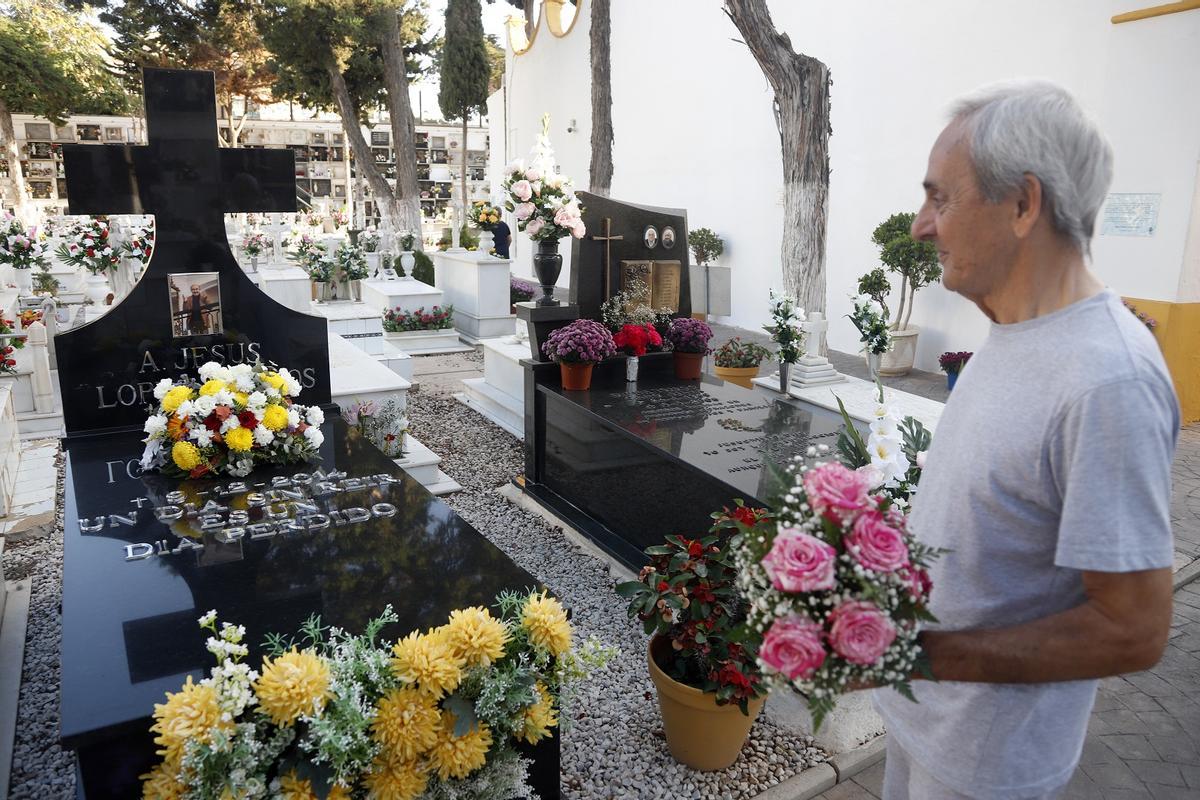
465,69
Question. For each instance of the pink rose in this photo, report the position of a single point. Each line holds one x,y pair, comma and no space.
875,544
565,218
859,632
798,562
534,225
836,492
578,229
919,583
921,459
523,210
873,474
522,190
533,174
793,647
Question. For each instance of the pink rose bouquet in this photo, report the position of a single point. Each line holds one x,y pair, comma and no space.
543,201
835,586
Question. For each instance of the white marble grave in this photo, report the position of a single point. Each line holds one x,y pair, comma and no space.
860,398
814,369
288,285
500,394
477,285
405,294
362,326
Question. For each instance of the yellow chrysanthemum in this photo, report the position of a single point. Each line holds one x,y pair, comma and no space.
239,439
477,637
428,661
161,783
296,683
293,787
406,723
274,418
274,380
546,621
392,779
212,387
240,399
175,397
189,714
539,717
186,455
459,756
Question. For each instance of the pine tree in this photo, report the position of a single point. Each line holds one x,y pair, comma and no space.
466,69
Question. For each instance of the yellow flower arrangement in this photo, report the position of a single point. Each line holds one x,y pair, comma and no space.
459,756
476,636
239,439
392,779
175,397
293,787
161,783
428,661
546,621
212,387
186,455
406,723
192,713
275,418
539,717
294,684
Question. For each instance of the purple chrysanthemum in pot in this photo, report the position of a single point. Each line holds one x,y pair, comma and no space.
689,335
584,340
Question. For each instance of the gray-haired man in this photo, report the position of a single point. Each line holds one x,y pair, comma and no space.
1049,478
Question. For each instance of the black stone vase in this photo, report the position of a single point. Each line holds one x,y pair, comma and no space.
547,263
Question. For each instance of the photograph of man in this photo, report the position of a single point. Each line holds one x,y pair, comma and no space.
195,304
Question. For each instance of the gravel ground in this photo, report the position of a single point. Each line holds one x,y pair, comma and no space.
615,747
41,769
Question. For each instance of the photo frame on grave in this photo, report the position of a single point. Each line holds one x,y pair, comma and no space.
668,238
108,367
650,237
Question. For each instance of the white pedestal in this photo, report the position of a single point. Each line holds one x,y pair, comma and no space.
860,398
814,371
720,289
852,723
404,293
500,394
289,286
477,285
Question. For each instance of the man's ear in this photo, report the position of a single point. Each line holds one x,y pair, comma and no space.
1029,206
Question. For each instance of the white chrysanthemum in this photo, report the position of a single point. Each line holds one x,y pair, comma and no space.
229,423
314,436
211,370
202,435
223,398
256,401
293,417
155,425
239,371
204,405
291,385
161,388
186,409
263,436
315,415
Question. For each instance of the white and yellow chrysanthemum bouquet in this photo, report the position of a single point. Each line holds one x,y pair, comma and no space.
434,715
232,418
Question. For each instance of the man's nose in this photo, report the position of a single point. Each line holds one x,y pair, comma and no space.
923,227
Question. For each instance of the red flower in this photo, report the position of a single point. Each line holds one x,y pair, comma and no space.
212,423
248,420
745,515
703,594
695,549
663,586
635,339
732,676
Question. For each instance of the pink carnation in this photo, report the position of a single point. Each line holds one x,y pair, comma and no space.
859,632
793,647
836,492
534,225
522,190
798,562
875,544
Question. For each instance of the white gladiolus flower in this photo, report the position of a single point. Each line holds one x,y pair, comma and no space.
885,427
161,388
263,436
315,415
156,425
887,455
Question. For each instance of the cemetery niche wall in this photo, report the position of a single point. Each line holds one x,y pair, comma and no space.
146,555
629,463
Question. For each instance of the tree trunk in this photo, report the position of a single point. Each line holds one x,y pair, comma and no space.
463,185
600,171
801,86
404,136
380,190
912,295
12,153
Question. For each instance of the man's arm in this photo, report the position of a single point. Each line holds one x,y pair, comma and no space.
1122,627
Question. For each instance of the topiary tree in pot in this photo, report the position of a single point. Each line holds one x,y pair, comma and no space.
915,262
705,245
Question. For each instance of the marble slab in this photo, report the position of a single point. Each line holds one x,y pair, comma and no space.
405,294
289,286
860,397
500,394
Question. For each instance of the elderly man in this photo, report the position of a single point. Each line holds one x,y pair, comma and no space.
1048,482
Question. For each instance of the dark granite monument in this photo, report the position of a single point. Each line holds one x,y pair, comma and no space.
342,537
107,369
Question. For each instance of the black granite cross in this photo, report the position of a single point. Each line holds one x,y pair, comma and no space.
181,177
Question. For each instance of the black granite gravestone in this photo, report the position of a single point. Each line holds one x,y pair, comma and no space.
107,369
630,463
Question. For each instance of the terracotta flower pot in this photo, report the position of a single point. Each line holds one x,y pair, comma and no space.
688,366
700,733
576,375
742,376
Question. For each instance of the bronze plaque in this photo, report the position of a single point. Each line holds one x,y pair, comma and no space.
657,283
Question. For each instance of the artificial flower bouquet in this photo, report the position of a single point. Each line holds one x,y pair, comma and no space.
90,247
637,340
330,714
871,321
255,244
19,248
228,421
836,587
736,354
352,262
543,201
340,217
8,348
141,243
484,215
369,241
438,318
785,327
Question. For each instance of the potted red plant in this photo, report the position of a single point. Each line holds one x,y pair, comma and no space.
702,661
689,341
634,341
952,364
577,347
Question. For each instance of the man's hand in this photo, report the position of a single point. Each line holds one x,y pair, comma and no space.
1122,627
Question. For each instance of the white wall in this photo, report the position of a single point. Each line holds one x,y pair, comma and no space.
693,123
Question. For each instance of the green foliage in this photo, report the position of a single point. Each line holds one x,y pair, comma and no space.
52,63
876,285
736,354
423,268
705,245
915,262
465,66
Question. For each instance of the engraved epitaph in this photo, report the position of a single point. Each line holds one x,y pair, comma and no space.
108,368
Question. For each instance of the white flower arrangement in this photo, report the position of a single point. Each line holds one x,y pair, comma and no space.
871,322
